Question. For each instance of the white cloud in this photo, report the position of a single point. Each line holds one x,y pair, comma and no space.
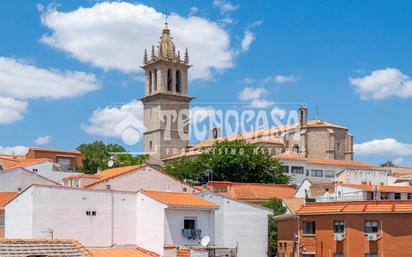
249,36
381,84
260,103
11,110
113,35
13,149
247,40
43,140
23,81
123,121
383,147
256,96
193,10
248,81
250,93
281,79
225,6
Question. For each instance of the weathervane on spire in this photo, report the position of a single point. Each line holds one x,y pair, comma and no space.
166,15
317,112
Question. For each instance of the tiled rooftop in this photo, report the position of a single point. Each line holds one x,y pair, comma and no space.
255,191
345,163
357,207
294,204
121,252
39,247
174,199
111,173
6,197
8,163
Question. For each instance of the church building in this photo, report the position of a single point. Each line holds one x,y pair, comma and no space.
166,116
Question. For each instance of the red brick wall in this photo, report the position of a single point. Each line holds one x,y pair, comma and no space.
396,236
75,162
287,229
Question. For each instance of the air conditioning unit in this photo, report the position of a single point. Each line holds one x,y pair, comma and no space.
372,236
338,236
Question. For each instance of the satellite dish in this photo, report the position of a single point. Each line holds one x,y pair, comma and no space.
205,241
110,163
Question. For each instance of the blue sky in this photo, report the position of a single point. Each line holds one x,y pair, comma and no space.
350,58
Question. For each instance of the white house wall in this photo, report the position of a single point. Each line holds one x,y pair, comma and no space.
150,224
124,216
19,216
303,188
45,169
145,178
174,223
240,224
62,211
18,178
299,178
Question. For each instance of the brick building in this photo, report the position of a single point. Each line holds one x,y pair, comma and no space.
68,159
353,229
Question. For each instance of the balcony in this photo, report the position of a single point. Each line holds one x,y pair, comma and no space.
192,234
222,252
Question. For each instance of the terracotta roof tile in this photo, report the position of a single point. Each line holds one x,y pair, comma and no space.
8,163
82,175
42,247
294,204
6,197
344,163
111,173
121,252
384,206
179,199
255,191
54,150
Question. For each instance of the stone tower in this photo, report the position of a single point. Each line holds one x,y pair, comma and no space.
166,103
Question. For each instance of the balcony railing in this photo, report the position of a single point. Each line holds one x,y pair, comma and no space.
339,198
192,234
222,252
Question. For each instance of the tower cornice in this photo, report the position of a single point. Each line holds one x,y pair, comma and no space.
166,96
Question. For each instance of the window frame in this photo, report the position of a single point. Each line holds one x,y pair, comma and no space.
194,219
293,169
339,226
316,171
371,228
312,228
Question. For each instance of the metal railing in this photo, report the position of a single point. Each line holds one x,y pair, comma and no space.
222,252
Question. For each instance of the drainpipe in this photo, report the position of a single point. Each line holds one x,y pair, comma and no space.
112,220
297,218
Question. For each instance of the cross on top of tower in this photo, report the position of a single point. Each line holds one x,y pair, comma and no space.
166,49
166,16
317,112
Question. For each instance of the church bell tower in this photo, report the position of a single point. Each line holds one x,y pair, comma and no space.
166,101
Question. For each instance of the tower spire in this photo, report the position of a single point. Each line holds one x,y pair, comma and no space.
145,57
186,60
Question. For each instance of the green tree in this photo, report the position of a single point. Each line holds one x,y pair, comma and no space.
96,155
237,161
278,209
388,164
191,170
